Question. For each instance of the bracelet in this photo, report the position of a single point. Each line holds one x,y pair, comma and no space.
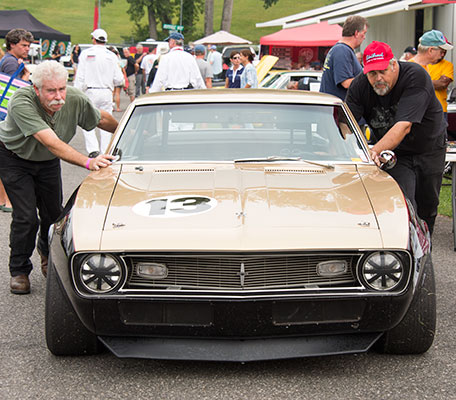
88,163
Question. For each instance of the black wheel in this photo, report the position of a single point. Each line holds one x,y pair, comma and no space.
65,334
415,333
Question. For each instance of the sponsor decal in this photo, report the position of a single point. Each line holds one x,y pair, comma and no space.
175,206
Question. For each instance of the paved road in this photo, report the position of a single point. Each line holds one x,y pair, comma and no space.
29,371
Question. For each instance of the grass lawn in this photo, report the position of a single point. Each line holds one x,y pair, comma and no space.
76,17
445,198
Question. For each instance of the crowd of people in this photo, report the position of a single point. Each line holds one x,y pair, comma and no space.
403,101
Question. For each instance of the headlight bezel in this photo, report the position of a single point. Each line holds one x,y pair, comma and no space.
82,280
370,283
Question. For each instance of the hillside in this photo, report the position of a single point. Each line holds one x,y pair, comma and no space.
76,17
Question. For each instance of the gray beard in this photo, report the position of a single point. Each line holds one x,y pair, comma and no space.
382,92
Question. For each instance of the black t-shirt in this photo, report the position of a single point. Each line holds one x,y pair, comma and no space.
76,54
137,57
130,67
412,99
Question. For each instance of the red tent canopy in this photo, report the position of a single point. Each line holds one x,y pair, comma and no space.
321,34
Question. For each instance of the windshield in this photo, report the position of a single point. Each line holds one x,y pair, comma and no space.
233,131
271,80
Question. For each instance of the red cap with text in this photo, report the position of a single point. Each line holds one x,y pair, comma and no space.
376,57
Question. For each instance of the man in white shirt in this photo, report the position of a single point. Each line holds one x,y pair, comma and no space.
177,69
215,60
97,75
148,61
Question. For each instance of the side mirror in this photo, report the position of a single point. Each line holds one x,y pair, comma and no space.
390,159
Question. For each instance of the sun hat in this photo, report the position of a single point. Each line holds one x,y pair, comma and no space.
376,57
435,38
100,35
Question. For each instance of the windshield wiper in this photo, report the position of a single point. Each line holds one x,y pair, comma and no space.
278,159
329,166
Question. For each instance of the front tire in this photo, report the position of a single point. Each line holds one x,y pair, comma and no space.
415,333
65,333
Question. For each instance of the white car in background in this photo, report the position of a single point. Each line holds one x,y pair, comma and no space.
280,79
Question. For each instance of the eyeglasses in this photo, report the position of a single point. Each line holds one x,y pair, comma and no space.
236,58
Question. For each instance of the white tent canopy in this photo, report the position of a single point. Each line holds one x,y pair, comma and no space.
222,38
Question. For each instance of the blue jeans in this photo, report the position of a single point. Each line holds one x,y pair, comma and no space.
31,186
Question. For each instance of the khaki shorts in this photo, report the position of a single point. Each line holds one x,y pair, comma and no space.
131,85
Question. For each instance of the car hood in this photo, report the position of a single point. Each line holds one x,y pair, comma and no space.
245,207
265,65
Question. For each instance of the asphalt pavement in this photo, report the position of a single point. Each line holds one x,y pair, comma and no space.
29,371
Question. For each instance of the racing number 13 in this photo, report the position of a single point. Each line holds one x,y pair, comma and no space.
181,205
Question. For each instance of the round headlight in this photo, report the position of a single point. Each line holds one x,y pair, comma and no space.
382,271
101,273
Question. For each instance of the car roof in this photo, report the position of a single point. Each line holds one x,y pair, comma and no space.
238,96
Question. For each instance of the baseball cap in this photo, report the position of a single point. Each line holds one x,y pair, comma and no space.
100,35
376,57
175,36
410,49
199,48
213,47
435,38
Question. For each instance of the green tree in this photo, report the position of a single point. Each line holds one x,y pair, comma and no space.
227,13
190,15
269,3
209,17
160,12
156,11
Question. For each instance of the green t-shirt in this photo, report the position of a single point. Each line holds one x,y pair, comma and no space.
26,116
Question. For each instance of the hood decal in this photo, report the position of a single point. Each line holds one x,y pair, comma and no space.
174,206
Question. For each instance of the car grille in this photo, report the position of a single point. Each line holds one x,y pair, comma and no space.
232,272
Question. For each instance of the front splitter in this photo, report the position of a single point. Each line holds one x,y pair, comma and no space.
238,350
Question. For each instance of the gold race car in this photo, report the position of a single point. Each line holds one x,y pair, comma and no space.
239,225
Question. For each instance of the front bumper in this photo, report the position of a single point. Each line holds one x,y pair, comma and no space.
203,327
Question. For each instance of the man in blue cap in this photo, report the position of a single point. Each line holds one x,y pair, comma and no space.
177,69
214,58
431,48
203,65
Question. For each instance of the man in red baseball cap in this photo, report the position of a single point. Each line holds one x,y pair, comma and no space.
398,102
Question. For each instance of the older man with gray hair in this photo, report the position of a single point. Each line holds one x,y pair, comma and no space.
397,100
41,121
432,46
